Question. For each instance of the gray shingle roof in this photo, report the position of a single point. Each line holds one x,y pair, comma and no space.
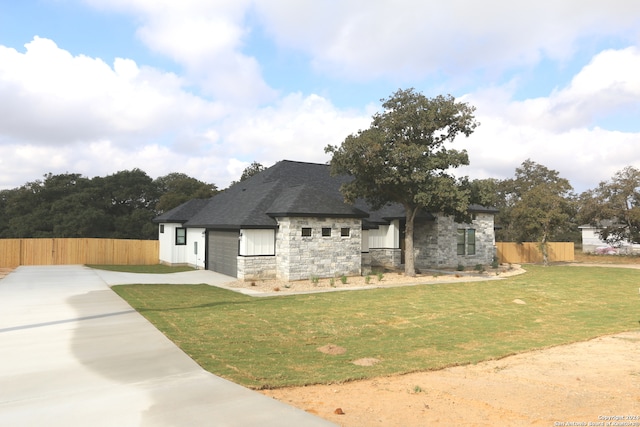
183,212
287,188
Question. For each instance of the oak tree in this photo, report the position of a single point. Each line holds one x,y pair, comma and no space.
615,203
402,158
539,205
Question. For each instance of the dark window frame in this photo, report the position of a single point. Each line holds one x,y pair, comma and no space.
306,232
471,241
345,232
466,241
460,241
326,231
181,236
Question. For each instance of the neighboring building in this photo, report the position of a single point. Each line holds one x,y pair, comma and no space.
592,243
290,222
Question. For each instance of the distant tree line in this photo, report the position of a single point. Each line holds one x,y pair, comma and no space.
538,205
121,205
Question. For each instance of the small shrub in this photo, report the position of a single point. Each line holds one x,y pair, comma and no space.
495,263
367,279
479,268
332,282
436,275
460,267
380,276
343,279
315,280
417,389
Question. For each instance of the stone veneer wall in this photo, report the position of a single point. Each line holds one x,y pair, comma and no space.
385,257
300,257
435,242
256,267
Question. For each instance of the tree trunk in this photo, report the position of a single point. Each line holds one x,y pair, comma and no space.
409,261
544,248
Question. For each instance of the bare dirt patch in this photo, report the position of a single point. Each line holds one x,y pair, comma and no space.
367,361
577,383
332,349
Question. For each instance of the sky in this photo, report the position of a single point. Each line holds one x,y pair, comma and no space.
206,87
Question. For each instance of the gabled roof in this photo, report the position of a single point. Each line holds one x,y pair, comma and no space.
286,189
307,200
183,212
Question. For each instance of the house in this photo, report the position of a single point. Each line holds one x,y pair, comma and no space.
592,243
290,222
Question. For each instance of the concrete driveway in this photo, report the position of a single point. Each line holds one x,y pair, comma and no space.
73,353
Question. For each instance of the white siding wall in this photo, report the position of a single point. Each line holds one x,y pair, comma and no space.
365,241
257,242
165,242
591,237
387,236
170,253
195,237
591,240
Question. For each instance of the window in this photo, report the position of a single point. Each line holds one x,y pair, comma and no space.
326,232
471,241
461,234
306,232
345,232
161,228
466,242
181,236
195,248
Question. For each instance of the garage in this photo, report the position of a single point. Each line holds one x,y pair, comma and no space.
223,252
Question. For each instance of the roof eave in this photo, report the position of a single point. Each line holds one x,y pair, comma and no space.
317,215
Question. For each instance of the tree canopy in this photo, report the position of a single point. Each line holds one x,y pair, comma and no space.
402,158
537,206
121,205
177,188
614,207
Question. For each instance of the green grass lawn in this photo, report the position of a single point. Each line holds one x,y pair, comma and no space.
272,342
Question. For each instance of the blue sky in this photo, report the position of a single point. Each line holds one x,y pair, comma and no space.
205,88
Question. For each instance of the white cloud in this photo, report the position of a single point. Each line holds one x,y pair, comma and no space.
206,38
52,97
561,131
610,83
366,40
78,114
296,128
61,112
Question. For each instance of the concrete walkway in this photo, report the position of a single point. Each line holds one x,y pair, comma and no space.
73,353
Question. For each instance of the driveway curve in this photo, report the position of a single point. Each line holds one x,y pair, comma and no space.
73,353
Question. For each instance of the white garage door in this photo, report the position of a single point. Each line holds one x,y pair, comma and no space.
223,252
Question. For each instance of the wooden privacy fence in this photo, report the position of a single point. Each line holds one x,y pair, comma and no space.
15,252
517,253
